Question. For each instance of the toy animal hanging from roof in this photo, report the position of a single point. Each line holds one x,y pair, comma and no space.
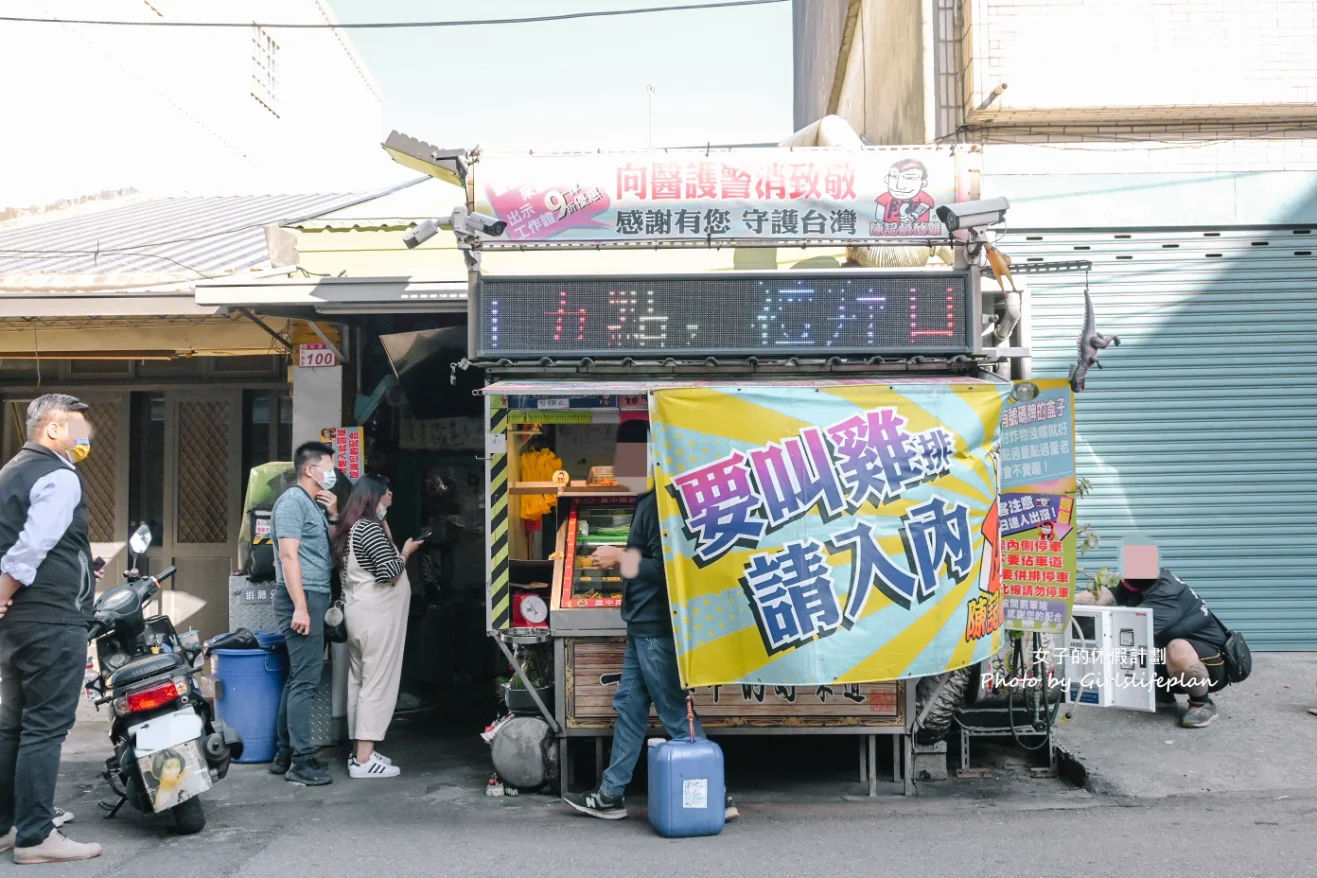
1090,342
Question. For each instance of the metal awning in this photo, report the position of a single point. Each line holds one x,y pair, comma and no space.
90,305
152,334
107,294
337,295
637,388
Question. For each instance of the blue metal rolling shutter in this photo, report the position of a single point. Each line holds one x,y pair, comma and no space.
1202,429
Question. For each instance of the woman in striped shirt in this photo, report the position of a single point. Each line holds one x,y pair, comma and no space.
376,597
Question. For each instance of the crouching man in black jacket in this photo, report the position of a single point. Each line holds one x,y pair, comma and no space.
649,669
1182,625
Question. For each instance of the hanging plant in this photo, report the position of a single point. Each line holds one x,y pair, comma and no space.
1088,540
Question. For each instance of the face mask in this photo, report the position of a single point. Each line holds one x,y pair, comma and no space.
328,479
381,511
78,453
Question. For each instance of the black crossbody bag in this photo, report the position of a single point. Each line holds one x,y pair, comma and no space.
1238,657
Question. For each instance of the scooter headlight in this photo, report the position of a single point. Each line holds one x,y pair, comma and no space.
117,599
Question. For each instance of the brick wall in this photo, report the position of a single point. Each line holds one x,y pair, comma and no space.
1210,60
1217,156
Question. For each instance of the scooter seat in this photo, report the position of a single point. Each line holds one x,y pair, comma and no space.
144,668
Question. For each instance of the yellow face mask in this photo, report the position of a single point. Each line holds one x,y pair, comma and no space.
78,449
78,453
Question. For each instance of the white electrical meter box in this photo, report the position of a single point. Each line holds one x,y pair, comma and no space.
1108,659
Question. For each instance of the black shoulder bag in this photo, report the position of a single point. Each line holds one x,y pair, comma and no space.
1238,657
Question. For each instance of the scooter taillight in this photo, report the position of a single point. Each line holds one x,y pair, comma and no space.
149,699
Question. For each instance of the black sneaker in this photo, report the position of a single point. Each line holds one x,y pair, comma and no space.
310,772
597,803
730,813
283,760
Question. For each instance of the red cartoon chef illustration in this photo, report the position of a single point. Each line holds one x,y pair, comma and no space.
905,202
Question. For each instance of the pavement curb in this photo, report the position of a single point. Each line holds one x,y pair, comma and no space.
1073,768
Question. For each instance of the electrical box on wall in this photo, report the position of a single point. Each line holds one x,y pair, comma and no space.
1108,658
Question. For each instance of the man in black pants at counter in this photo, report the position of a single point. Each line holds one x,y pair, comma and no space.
649,670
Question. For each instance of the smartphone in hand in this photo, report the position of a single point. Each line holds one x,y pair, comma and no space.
98,564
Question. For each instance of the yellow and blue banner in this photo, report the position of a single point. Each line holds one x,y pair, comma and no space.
844,533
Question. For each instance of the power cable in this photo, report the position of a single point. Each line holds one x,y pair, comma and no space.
393,25
9,252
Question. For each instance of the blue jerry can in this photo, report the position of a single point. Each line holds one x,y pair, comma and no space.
687,792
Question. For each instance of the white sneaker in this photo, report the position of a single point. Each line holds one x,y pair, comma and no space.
56,849
9,839
374,767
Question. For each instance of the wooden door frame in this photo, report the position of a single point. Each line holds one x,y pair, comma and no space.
233,396
115,551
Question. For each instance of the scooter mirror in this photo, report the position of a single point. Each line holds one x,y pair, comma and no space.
140,541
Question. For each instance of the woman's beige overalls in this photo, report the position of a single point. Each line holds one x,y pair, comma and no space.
376,618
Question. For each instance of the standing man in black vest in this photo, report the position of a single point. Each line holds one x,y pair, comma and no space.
46,591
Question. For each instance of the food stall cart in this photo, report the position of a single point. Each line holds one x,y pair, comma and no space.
570,354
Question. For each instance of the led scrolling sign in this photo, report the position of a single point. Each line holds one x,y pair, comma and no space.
796,313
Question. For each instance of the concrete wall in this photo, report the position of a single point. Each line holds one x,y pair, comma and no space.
883,96
1075,70
1242,165
317,402
817,27
1057,54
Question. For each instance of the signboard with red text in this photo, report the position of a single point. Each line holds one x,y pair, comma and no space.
711,195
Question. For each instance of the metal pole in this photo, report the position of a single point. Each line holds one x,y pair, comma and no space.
873,765
530,689
650,89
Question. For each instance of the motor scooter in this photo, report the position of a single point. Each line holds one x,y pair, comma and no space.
168,746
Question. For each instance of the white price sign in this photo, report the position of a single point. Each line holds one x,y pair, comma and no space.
315,354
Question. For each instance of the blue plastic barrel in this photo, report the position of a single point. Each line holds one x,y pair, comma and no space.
250,684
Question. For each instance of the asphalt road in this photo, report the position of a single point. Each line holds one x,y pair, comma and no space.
530,837
435,821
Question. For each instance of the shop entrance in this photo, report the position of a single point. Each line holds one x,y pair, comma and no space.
170,458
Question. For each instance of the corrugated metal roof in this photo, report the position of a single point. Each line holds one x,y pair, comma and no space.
185,237
401,207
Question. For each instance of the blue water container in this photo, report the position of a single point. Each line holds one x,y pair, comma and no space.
687,792
249,684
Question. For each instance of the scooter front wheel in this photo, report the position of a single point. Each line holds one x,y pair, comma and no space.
189,817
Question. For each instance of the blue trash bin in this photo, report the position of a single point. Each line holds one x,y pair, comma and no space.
249,684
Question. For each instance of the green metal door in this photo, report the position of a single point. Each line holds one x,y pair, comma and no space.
1202,429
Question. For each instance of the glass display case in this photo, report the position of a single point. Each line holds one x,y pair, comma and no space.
591,523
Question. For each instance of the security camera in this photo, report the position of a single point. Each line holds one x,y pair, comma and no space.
488,225
423,232
973,214
477,224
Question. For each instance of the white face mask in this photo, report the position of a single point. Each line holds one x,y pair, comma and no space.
328,479
381,511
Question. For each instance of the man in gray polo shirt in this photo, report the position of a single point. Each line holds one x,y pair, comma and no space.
303,522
